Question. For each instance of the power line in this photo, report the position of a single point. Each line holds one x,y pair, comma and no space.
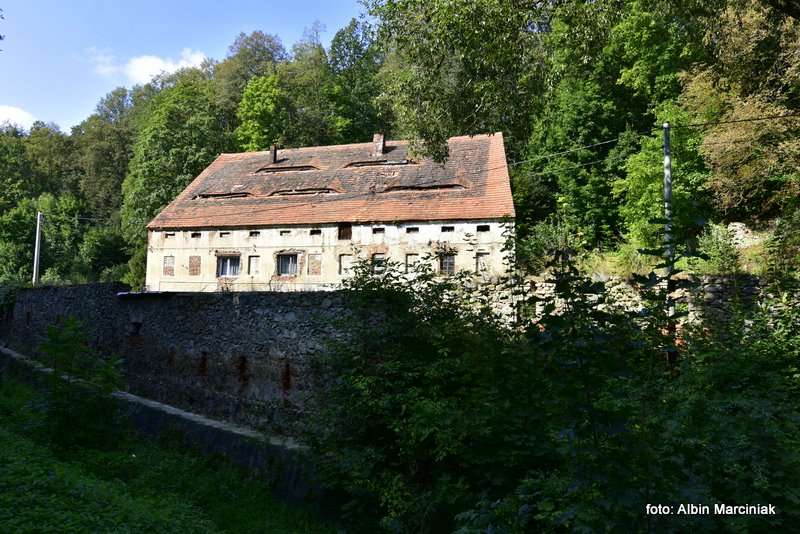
734,121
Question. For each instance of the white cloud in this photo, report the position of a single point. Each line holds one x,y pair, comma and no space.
14,115
142,69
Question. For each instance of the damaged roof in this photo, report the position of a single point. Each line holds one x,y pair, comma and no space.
346,183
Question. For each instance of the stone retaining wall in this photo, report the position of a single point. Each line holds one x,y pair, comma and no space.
239,357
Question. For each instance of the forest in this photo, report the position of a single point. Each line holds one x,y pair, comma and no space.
579,90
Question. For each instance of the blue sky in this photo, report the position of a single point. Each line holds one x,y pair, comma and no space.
59,58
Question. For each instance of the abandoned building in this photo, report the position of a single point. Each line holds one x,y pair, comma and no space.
298,219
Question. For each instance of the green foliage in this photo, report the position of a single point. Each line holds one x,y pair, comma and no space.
719,251
136,486
180,136
262,114
547,238
80,408
443,416
783,250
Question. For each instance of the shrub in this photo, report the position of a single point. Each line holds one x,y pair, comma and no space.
719,252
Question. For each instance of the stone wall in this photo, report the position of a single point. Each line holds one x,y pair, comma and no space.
239,357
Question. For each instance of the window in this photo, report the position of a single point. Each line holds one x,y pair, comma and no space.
286,232
224,234
252,264
411,259
169,234
315,231
314,264
481,262
378,263
254,233
379,230
448,228
194,265
169,265
196,235
447,263
345,263
228,266
345,231
483,227
412,230
287,264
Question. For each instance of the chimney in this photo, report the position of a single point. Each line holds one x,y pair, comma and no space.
273,154
378,144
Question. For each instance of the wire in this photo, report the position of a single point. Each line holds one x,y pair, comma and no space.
734,121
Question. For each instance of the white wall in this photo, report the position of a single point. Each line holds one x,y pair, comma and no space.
395,243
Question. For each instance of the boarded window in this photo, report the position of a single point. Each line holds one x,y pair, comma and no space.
482,262
224,234
228,266
448,228
345,263
378,263
194,265
169,234
314,264
483,227
253,264
411,260
345,231
169,265
287,264
447,263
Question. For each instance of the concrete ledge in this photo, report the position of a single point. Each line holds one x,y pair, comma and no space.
280,460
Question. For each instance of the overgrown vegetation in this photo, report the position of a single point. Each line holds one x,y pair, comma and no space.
69,463
443,415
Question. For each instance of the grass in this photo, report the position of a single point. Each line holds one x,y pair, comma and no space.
137,486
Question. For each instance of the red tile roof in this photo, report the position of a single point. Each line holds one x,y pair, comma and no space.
346,183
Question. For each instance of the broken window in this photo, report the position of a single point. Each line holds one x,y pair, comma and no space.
169,234
345,231
345,263
483,227
379,230
378,263
287,264
286,232
252,264
227,266
194,265
314,264
447,263
224,234
412,230
481,262
169,265
196,235
254,233
448,228
411,260
315,231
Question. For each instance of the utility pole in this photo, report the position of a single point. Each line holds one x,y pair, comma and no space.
669,247
37,251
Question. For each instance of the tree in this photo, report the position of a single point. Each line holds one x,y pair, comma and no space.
250,56
181,134
52,156
16,180
262,114
355,61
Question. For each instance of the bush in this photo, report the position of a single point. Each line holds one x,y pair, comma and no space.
719,252
441,415
783,249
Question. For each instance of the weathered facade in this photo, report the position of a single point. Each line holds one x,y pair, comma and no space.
298,219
